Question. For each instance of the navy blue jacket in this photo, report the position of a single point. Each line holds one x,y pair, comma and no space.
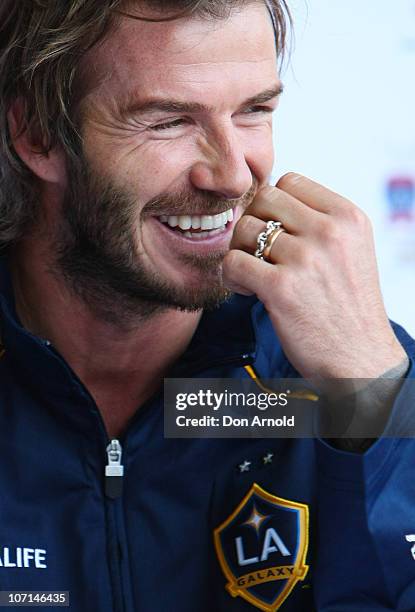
200,525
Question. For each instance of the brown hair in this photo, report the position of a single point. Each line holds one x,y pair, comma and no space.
41,44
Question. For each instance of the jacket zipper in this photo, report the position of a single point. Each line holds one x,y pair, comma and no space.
114,470
113,488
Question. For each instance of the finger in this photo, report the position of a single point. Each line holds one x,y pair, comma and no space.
245,238
273,203
284,249
246,233
234,288
312,194
247,272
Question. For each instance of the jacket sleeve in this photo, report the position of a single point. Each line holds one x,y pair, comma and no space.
366,515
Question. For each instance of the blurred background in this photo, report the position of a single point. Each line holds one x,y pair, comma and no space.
347,120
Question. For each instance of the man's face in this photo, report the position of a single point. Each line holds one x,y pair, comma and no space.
177,131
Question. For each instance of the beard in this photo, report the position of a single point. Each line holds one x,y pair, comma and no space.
98,255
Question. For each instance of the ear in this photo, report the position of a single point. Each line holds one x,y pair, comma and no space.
49,167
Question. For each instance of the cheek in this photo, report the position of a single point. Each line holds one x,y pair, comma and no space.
259,156
160,167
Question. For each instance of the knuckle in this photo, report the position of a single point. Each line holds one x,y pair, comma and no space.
265,199
288,180
353,215
328,230
268,191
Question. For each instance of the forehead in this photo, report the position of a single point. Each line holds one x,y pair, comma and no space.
186,58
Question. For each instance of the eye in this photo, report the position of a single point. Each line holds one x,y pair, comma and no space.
168,125
252,110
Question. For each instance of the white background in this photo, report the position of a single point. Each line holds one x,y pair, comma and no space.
347,120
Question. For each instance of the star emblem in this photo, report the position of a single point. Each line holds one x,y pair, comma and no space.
267,459
245,466
256,519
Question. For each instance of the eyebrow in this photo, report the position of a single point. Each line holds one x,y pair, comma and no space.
177,106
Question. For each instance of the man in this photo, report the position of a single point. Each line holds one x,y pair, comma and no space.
137,146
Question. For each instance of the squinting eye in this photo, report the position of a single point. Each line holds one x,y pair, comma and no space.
259,109
167,126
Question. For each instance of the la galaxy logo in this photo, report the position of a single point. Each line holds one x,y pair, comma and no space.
262,548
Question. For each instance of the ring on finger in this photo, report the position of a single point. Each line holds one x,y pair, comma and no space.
271,241
263,237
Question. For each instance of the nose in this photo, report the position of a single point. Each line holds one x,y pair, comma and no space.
223,168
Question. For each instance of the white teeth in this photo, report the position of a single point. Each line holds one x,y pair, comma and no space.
207,222
185,222
197,222
172,221
217,221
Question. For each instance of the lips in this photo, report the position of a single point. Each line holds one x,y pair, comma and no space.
172,234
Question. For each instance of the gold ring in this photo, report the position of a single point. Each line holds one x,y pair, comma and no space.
270,242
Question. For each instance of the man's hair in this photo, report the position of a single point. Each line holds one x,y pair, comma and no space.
41,45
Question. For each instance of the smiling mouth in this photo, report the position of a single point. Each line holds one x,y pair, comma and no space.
198,226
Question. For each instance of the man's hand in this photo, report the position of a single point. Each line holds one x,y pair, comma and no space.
320,286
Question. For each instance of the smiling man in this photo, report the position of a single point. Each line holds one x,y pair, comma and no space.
189,142
174,148
137,150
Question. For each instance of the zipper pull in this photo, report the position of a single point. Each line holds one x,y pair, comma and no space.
114,470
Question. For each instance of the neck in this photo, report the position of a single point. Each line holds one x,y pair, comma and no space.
121,367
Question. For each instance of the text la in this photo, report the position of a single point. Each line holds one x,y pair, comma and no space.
272,544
